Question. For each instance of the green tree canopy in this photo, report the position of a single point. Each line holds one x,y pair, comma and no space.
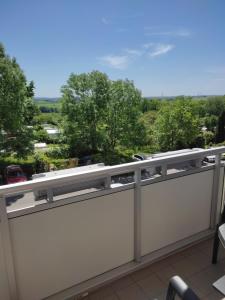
123,124
83,105
215,105
176,126
15,106
100,114
220,130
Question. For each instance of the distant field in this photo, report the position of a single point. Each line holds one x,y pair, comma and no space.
48,104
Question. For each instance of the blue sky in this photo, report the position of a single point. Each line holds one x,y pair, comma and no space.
167,47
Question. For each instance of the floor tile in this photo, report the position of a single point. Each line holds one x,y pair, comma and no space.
133,292
174,258
189,265
166,273
160,265
122,283
141,274
152,285
102,293
193,265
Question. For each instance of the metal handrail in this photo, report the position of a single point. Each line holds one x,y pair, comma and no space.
107,171
178,287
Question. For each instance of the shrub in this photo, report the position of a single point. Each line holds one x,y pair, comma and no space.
61,151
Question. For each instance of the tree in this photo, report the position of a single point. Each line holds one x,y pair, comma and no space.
123,124
150,104
100,114
215,105
84,100
211,123
176,126
220,130
14,95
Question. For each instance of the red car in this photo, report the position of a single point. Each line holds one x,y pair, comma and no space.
14,174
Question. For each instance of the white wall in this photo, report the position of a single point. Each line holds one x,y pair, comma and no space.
175,209
57,248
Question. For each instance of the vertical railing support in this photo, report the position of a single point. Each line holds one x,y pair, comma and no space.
137,216
108,182
50,195
215,191
164,170
7,250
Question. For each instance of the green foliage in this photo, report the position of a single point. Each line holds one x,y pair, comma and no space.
47,106
107,119
209,137
150,104
41,162
41,135
148,120
20,143
123,124
176,126
100,114
215,105
15,107
199,107
211,122
48,103
31,111
115,157
83,105
220,132
58,151
48,118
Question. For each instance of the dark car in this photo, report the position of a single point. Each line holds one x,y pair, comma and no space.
139,156
14,174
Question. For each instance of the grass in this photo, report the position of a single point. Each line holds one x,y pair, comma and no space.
48,104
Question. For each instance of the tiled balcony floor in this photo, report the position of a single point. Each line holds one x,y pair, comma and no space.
193,265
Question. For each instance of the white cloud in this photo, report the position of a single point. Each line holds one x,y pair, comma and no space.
133,52
150,31
115,61
158,49
121,62
148,45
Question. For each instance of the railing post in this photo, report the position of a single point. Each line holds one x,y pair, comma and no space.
7,250
164,170
137,216
50,195
215,191
108,182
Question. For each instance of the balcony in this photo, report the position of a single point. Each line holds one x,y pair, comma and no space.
73,234
192,264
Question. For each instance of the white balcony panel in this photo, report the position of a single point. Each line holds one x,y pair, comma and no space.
4,289
60,247
175,209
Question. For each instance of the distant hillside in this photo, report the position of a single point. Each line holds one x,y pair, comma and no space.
48,105
46,99
174,97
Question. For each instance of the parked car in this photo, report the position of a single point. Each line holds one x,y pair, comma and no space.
210,159
85,160
14,174
139,156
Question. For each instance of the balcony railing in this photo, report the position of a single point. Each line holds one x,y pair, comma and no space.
88,228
